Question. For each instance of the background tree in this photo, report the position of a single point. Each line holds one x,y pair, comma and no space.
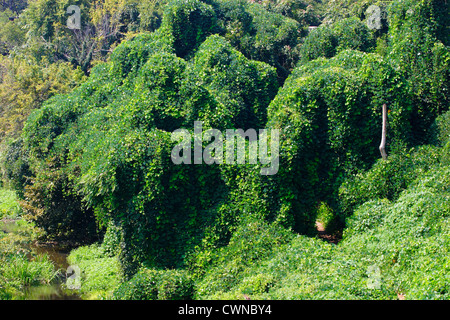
419,48
25,84
329,39
15,6
11,34
306,12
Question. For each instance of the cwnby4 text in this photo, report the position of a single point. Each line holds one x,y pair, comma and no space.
227,309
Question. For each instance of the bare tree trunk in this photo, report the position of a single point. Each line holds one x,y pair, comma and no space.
383,134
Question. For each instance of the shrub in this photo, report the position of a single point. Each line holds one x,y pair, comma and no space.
25,84
189,23
329,113
9,206
100,273
417,50
142,286
328,40
320,43
256,284
274,40
259,34
150,284
242,89
251,242
112,239
387,178
157,101
53,206
389,248
175,285
108,146
408,237
131,55
54,130
440,131
16,166
352,33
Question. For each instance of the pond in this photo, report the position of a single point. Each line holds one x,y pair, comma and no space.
58,255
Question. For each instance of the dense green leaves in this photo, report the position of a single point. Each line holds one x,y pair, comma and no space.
386,179
98,156
157,285
258,34
418,49
189,22
110,140
326,41
330,111
391,249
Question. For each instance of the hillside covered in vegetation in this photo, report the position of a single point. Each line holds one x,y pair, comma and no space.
87,117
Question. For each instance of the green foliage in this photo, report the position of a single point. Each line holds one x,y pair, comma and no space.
14,5
251,242
131,55
387,179
337,10
99,154
25,272
20,267
440,130
46,25
141,287
409,237
9,207
128,15
112,240
329,112
259,34
150,14
15,166
325,216
104,24
307,12
150,284
189,22
257,284
389,248
274,39
241,88
328,40
352,33
100,272
108,146
11,34
418,49
26,85
321,42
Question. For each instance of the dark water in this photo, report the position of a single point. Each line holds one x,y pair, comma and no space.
50,292
58,255
55,291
